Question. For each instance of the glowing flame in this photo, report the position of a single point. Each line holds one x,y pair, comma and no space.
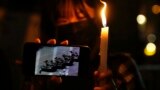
103,13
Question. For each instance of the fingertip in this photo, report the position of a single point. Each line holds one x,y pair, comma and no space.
65,42
97,88
37,40
105,73
96,73
51,41
56,79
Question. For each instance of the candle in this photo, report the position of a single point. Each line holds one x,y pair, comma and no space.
103,40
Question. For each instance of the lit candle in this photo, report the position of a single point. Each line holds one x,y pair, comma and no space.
103,39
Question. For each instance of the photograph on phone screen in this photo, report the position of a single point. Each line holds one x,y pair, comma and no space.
57,60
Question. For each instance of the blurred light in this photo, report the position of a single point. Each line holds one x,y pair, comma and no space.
156,9
141,19
150,49
151,38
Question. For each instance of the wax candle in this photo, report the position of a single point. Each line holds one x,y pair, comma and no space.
103,40
103,48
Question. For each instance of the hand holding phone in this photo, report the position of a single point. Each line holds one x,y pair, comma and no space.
71,63
46,59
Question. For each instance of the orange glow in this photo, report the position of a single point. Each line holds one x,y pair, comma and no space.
103,13
70,12
156,9
33,28
2,13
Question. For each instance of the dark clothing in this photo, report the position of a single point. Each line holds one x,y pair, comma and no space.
5,77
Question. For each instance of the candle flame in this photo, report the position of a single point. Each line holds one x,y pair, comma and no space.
103,13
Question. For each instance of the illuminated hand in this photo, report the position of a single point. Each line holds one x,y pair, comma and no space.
52,41
102,80
54,79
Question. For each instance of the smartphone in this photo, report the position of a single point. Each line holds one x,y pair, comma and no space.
58,60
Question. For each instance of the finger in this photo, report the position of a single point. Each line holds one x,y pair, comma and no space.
37,40
96,73
56,79
52,41
103,87
65,42
99,88
104,74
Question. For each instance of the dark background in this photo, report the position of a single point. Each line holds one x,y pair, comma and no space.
124,35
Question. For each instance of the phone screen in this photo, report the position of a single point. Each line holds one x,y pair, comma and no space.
72,63
57,60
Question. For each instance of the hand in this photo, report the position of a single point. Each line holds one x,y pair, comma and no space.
54,79
102,80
